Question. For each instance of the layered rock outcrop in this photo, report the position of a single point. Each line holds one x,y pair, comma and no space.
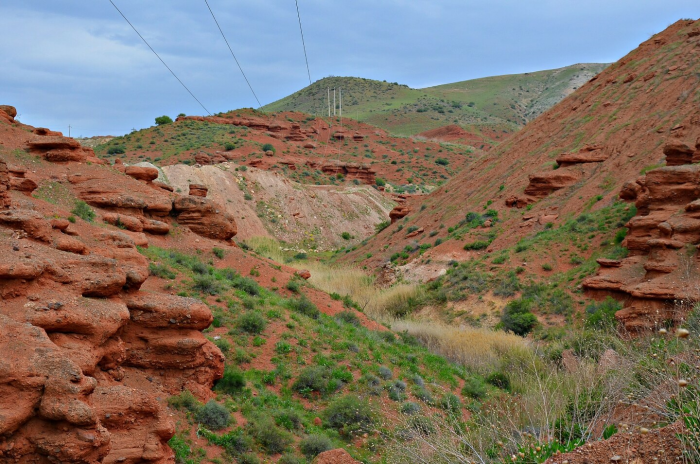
658,281
78,338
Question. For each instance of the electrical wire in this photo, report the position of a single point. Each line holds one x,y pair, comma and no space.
161,59
232,54
301,30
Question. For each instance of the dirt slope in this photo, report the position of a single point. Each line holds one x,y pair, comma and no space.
307,216
573,159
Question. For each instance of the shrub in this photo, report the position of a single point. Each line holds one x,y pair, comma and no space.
248,458
385,373
273,439
207,284
409,408
350,414
602,314
251,322
161,270
213,416
474,387
116,150
83,211
499,380
232,382
315,444
289,458
228,146
312,379
442,162
517,317
218,252
450,403
223,345
268,147
346,236
380,182
422,394
349,317
247,196
160,120
422,425
248,285
304,306
289,419
185,400
381,226
476,245
293,286
547,267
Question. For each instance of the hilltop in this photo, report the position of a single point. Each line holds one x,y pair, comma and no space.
489,108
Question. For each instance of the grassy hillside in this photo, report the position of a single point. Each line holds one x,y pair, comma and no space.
491,104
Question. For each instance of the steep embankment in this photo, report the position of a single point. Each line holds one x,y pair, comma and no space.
266,203
489,108
573,159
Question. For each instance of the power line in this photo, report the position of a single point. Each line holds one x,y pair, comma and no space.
302,41
234,56
161,59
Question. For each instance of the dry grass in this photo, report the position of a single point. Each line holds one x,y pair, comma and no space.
267,247
477,348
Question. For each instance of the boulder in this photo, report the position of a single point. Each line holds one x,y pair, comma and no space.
142,173
541,185
335,456
678,153
204,217
4,186
9,111
399,212
123,221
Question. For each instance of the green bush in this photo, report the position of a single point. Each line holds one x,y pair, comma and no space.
422,394
207,284
228,146
248,458
268,147
379,182
251,322
161,270
474,387
83,211
213,416
116,150
272,439
476,245
314,445
248,285
350,414
349,317
517,317
185,400
232,382
381,226
293,286
602,314
346,236
289,458
218,252
451,403
410,408
312,379
160,120
499,380
304,306
288,418
442,161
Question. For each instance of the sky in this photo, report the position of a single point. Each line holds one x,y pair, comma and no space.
78,63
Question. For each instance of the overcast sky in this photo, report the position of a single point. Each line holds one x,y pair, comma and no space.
78,62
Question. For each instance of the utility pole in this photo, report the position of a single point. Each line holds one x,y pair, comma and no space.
333,101
329,102
341,107
68,130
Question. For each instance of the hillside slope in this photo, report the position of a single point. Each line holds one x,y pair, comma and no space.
487,107
570,162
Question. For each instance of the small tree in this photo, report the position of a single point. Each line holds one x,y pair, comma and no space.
160,120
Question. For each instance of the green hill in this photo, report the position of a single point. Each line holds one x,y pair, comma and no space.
487,104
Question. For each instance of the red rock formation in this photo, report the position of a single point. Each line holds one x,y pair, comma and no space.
295,134
659,278
8,113
198,190
588,154
399,212
60,149
357,137
19,182
74,332
4,186
144,173
519,202
541,185
204,217
335,456
350,171
202,158
47,132
678,153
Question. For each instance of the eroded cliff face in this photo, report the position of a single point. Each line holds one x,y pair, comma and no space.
87,357
659,281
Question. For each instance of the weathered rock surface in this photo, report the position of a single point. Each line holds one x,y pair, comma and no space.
588,154
545,183
399,212
335,456
204,217
659,279
198,190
